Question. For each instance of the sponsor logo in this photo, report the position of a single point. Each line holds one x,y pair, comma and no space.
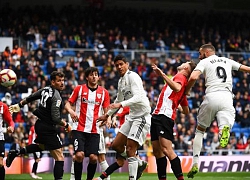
58,103
84,100
209,164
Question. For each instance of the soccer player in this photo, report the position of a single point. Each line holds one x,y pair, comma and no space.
132,133
49,115
89,100
101,155
4,116
218,101
171,97
120,161
37,155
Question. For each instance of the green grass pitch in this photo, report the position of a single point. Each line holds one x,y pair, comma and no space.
147,176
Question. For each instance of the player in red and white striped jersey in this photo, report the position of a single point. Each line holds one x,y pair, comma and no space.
90,101
4,116
172,95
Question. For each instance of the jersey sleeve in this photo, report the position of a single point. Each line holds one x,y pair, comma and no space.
7,116
36,95
179,79
200,66
235,65
74,95
106,101
184,101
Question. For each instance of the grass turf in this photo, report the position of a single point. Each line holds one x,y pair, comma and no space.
146,176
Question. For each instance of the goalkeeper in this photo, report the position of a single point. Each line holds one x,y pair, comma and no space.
49,115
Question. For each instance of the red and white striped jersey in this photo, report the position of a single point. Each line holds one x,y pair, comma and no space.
169,100
123,111
32,135
89,106
5,116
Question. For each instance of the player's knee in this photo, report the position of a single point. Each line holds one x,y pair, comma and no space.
60,157
120,161
157,152
115,147
93,158
131,151
101,157
79,156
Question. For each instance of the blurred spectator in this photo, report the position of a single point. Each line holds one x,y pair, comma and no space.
7,99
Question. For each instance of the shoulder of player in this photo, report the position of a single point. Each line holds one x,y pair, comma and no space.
102,88
132,75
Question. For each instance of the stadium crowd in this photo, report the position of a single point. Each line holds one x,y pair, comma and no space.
45,30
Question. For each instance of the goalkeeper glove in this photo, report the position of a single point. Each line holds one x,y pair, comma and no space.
67,128
14,108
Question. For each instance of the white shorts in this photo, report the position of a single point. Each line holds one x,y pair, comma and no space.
217,104
136,128
102,145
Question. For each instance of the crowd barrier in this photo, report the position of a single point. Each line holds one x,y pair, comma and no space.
236,163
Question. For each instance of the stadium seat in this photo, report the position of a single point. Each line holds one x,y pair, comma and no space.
236,129
245,130
60,64
190,103
100,69
7,146
69,53
236,125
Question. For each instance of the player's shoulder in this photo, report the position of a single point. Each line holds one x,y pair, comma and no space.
3,104
132,75
102,88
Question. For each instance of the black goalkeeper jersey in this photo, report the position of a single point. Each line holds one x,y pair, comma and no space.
50,105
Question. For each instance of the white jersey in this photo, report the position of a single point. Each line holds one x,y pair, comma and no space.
217,72
131,93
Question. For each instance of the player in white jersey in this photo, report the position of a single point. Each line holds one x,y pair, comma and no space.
132,133
218,101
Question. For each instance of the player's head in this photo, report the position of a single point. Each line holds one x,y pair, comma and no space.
206,50
57,80
188,67
121,64
92,76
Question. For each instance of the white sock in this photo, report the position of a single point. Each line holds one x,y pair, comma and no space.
72,173
104,165
197,145
132,167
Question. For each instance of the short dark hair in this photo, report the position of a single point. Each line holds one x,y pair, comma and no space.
120,57
91,70
208,46
192,64
56,73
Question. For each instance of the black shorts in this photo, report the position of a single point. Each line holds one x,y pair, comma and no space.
47,135
2,148
161,125
86,142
